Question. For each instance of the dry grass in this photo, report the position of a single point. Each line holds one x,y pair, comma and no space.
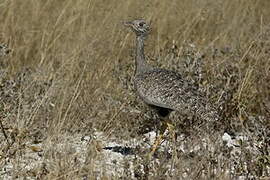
71,65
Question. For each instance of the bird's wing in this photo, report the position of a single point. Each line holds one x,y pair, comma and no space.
169,90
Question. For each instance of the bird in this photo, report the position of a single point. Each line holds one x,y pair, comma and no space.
165,90
4,50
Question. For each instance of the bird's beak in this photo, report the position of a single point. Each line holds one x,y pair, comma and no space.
127,23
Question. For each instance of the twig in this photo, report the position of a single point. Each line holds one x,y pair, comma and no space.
4,132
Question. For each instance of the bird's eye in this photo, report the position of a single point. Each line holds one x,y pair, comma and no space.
141,24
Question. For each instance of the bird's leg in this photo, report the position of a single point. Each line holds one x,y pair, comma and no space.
173,136
166,124
170,127
159,138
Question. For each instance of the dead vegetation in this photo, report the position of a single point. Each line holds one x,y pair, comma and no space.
70,70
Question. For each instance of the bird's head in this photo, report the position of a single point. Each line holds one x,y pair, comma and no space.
140,27
4,50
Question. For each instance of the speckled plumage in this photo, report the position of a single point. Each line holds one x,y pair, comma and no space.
164,89
167,89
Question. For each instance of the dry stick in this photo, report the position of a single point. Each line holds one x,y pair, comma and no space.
115,115
4,132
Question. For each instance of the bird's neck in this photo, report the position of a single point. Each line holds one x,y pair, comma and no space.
141,64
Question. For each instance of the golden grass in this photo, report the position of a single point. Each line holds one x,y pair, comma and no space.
72,62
